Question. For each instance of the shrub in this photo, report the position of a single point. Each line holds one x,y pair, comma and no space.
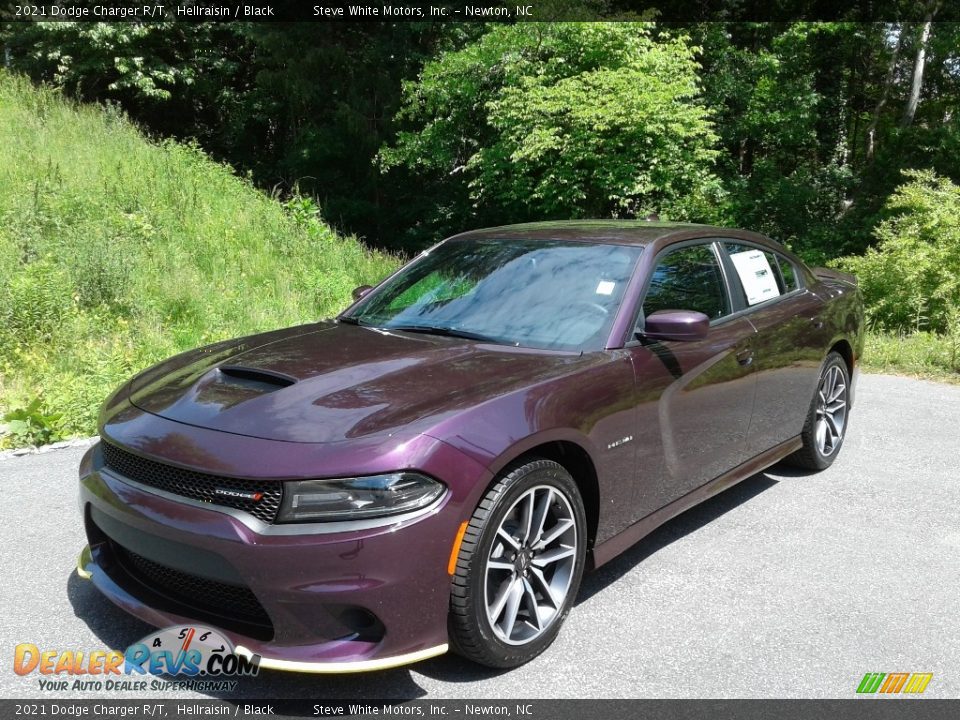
33,424
911,279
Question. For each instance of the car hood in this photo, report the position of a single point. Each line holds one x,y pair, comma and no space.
331,382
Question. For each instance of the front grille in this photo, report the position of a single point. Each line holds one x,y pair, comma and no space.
235,601
198,486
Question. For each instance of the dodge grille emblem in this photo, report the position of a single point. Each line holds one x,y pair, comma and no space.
227,492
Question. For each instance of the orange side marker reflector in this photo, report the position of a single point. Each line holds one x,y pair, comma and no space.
455,550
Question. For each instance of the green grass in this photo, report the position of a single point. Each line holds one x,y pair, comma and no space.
924,355
117,251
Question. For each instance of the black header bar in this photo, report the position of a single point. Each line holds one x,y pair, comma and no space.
478,11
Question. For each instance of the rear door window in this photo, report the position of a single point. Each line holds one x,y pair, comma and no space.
758,271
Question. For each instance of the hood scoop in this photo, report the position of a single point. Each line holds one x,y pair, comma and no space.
201,401
263,381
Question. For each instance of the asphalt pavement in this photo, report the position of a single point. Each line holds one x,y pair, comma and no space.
788,585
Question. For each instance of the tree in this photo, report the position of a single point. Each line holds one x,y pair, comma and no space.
780,98
920,63
884,94
911,280
321,104
550,120
178,78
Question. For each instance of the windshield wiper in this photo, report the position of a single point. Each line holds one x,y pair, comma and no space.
445,331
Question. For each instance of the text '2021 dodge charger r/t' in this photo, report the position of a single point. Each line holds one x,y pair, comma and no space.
438,466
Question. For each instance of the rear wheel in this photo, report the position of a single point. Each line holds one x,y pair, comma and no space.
826,424
519,567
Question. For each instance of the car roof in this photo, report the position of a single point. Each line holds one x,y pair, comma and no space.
627,232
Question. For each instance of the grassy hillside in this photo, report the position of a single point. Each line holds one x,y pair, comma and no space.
116,251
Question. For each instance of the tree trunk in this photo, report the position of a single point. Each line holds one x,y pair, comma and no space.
887,84
919,64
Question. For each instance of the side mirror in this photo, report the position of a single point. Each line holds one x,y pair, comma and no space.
676,325
361,291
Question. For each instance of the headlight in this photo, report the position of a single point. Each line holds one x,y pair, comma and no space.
354,498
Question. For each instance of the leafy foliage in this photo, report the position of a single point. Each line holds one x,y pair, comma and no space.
403,132
33,424
911,280
785,100
560,120
167,72
795,129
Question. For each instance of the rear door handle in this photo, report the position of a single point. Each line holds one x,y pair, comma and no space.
745,357
817,323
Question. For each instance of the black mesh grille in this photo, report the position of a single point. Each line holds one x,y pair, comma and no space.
235,601
198,486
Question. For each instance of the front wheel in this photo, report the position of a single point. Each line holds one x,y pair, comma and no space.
826,424
519,567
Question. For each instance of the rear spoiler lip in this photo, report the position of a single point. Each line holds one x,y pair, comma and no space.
823,273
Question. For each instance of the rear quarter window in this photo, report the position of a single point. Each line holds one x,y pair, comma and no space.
788,272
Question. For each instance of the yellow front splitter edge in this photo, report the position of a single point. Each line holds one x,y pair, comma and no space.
86,557
345,667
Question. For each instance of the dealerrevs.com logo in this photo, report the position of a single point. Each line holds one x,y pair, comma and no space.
204,656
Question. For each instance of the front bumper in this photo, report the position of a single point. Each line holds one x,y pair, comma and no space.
331,602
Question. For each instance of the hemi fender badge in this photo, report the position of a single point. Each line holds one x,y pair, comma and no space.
227,492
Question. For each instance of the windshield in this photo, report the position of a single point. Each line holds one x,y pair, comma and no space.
548,294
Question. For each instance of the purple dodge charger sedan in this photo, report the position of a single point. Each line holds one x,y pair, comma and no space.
438,466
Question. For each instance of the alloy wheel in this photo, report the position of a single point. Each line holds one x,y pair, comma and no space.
831,413
531,562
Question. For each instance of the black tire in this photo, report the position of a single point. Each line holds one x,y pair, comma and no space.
815,455
472,634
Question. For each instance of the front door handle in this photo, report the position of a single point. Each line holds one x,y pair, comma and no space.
745,357
817,323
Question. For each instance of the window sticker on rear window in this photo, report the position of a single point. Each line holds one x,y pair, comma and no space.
759,280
